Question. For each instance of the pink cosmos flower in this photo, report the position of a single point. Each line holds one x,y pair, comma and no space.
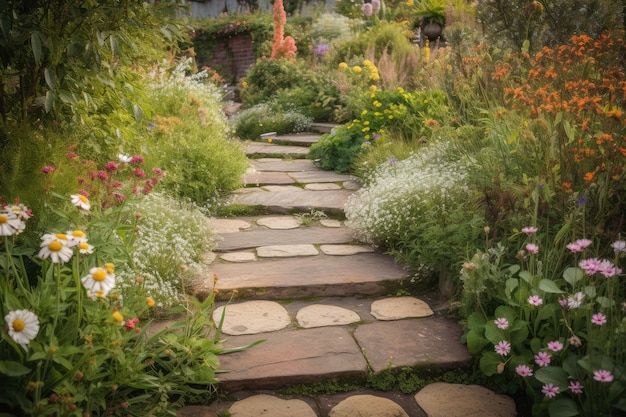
535,300
555,346
575,341
590,266
523,371
542,359
502,348
532,248
608,270
579,246
619,246
602,375
502,323
598,319
529,230
576,387
550,390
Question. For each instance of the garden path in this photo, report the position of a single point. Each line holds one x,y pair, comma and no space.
319,298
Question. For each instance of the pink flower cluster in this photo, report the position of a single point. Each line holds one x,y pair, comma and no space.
604,267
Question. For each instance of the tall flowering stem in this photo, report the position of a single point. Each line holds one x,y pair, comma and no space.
283,47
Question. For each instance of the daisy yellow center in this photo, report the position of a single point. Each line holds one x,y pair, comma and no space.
78,233
3,219
55,246
18,325
83,246
99,275
82,198
61,236
117,316
110,268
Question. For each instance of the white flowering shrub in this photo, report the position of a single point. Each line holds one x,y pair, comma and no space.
172,238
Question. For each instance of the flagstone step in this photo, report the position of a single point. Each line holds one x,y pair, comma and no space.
289,199
296,139
270,150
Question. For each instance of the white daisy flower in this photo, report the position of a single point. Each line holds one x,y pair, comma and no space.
23,326
80,201
99,281
10,224
75,237
124,158
85,248
56,247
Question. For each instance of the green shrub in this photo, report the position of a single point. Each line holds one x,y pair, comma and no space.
269,76
267,117
337,151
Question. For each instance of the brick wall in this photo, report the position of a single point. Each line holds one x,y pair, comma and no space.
233,56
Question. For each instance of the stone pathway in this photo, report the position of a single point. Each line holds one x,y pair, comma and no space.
319,300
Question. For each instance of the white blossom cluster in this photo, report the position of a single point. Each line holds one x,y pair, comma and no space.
401,193
172,238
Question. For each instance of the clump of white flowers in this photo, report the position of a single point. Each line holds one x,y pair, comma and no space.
401,193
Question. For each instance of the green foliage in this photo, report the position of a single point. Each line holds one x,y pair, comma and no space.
431,11
269,76
265,118
337,151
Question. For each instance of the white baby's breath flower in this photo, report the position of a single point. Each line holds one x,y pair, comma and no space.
23,326
80,201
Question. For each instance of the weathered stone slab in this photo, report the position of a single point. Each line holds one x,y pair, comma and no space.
322,186
342,250
330,223
238,257
428,342
319,176
367,406
441,399
280,165
266,178
229,225
252,317
397,308
270,406
285,201
306,139
277,188
286,251
279,222
361,274
265,237
291,357
318,315
259,148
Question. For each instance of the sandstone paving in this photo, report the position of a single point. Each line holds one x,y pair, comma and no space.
322,186
277,188
319,315
252,317
291,357
306,200
397,308
330,222
367,406
259,148
456,400
279,222
221,226
281,165
271,406
286,251
238,257
266,178
319,176
303,235
343,250
305,139
431,342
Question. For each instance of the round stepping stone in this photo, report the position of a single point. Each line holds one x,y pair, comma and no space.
330,223
319,315
286,251
398,308
321,186
252,317
339,250
367,406
270,406
238,257
279,222
441,399
229,225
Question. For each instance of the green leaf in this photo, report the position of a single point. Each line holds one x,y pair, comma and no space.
554,375
573,275
526,276
475,342
605,302
35,43
563,407
49,101
506,312
519,332
50,77
475,321
489,363
138,113
549,286
510,285
12,368
493,333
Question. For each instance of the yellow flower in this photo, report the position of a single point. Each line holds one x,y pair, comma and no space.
244,84
150,301
343,66
117,316
356,69
363,113
373,87
409,3
367,63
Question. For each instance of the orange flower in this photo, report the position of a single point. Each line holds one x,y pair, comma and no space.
567,187
589,176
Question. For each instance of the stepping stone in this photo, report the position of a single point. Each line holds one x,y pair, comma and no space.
259,148
318,315
311,276
279,222
286,201
221,226
398,308
252,317
297,138
290,358
238,257
339,250
268,237
428,342
330,223
321,186
441,399
367,406
266,178
277,164
270,406
319,176
277,188
286,251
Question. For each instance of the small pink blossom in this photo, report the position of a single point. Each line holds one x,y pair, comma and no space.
590,266
608,270
502,348
48,169
574,301
576,387
502,323
523,370
598,319
555,346
136,160
550,390
529,230
542,359
563,302
532,248
602,375
535,300
579,246
71,155
139,173
575,341
619,246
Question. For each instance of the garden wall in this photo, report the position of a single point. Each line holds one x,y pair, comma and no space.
232,57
